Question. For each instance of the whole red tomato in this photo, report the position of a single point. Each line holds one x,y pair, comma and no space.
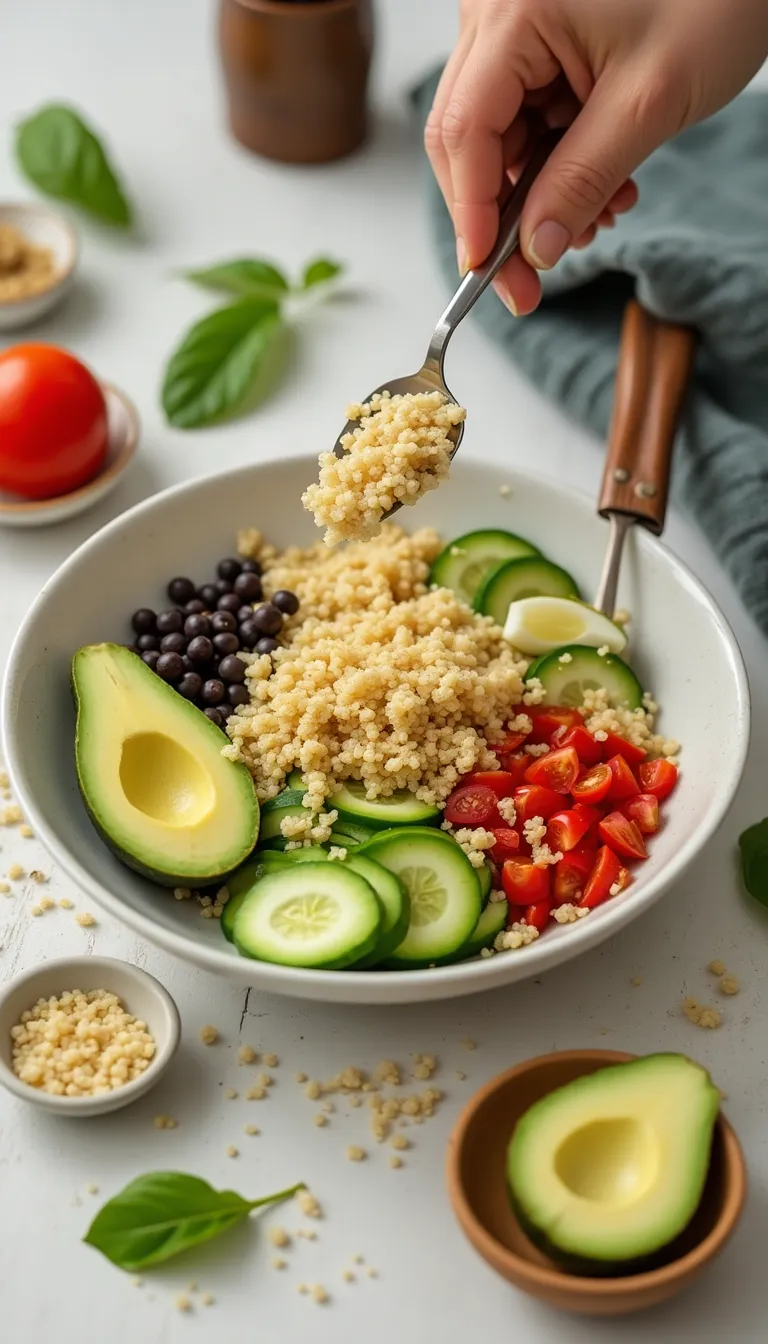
53,422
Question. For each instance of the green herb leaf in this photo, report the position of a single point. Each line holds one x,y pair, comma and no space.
164,1213
318,272
246,277
213,370
754,860
63,157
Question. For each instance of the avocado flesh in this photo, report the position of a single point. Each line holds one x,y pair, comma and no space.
610,1168
152,775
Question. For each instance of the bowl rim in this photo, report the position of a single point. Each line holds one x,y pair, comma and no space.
456,979
541,1277
29,507
41,209
129,1092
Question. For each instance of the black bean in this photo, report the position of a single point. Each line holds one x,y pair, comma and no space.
229,602
286,602
200,649
190,685
208,595
245,613
174,643
223,622
249,634
222,586
251,567
267,619
226,643
150,658
237,695
228,569
168,622
232,668
181,591
169,666
248,587
189,666
215,716
197,625
266,645
145,642
143,621
194,607
213,691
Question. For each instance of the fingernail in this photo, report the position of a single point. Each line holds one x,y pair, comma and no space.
461,256
548,244
506,298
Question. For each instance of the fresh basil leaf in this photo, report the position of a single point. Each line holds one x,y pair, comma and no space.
246,277
753,845
64,158
164,1213
211,373
318,272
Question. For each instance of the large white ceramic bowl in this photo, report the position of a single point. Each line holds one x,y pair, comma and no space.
682,649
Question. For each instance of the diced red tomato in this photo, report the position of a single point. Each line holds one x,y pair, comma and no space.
515,765
643,809
604,875
507,843
623,784
623,836
566,829
571,873
593,785
472,805
537,915
512,742
587,748
532,800
547,719
524,883
618,746
500,782
588,813
658,778
557,770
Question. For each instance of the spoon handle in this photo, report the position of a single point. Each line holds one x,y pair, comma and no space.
476,281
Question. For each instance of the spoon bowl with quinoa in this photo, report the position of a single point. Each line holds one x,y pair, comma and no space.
439,811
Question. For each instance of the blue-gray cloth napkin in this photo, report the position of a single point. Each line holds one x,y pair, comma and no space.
694,250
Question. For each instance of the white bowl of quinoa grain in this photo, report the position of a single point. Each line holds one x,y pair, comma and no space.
38,260
680,646
85,1035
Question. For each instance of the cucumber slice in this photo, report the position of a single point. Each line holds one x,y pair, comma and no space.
491,922
485,882
395,907
464,564
307,854
566,682
443,890
400,809
314,915
513,580
349,830
295,781
288,798
271,820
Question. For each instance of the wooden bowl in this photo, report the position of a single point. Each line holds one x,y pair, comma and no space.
476,1176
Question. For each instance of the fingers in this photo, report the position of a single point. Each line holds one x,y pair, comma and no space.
433,131
518,286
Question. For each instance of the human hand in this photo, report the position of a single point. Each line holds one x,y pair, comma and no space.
622,75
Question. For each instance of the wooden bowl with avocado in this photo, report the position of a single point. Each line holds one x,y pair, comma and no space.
598,1182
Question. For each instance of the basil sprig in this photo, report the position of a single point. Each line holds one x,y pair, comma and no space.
65,158
219,369
164,1213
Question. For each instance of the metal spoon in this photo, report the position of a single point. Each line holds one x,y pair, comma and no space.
430,377
655,360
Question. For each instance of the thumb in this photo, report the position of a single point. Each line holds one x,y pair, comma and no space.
610,137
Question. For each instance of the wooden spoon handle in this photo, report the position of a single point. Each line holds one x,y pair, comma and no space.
655,359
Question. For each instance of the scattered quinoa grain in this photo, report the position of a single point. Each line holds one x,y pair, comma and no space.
505,491
230,1094
313,1090
91,1189
468,1044
85,919
356,1154
264,1080
37,876
395,1161
348,1276
209,1035
246,1055
320,1119
183,1303
5,888
164,1122
207,1299
36,910
26,832
255,1094
279,1262
279,1237
716,967
250,1129
271,1062
299,1077
232,1151
320,1294
729,985
400,1141
65,904
15,872
373,1273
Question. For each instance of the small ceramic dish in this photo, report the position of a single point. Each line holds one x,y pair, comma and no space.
476,1176
123,438
141,994
44,228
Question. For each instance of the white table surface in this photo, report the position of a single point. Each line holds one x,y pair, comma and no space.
145,72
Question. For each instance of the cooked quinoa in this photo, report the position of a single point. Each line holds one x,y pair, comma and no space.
400,448
80,1044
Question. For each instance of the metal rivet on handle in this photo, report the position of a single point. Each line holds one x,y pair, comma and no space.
621,476
645,489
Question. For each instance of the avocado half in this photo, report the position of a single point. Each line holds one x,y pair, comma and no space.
152,775
605,1172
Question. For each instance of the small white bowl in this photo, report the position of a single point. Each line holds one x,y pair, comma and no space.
141,994
44,228
124,423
